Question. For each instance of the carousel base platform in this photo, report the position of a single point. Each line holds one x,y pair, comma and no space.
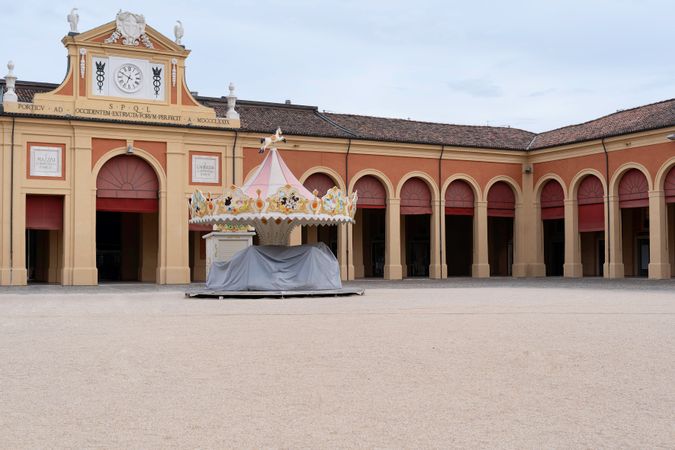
221,295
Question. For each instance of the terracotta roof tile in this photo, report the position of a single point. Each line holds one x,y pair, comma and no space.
266,117
402,130
642,118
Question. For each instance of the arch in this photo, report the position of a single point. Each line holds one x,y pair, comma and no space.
459,198
126,176
546,178
319,182
146,156
590,194
669,186
578,178
508,180
664,172
501,200
415,197
633,189
388,186
464,177
431,184
372,193
337,179
127,183
552,200
621,170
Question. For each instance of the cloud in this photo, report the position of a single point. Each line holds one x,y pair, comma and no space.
476,87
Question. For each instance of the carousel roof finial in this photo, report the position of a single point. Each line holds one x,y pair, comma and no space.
268,141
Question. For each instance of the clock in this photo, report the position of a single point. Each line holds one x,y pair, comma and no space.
129,78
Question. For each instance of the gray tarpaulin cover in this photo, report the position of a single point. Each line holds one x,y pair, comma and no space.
277,268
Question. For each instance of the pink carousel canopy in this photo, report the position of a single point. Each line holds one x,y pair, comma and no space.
273,201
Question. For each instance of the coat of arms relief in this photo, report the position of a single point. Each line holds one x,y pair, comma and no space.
131,28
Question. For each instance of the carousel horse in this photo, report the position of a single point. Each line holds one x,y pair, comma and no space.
268,141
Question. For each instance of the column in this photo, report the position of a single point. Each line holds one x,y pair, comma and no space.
80,217
444,258
659,267
392,255
345,253
613,239
435,259
572,267
357,244
174,267
521,238
481,266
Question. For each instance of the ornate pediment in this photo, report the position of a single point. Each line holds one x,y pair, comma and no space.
125,70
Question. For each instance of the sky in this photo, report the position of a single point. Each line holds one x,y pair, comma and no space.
535,65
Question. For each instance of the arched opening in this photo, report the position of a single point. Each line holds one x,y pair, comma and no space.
553,221
322,233
369,229
591,222
127,222
634,204
44,238
416,228
669,188
459,206
501,213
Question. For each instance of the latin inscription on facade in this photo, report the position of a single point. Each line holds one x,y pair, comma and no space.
45,161
205,169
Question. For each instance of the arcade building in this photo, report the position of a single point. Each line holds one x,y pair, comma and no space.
96,173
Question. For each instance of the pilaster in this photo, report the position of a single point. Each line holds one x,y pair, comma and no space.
174,268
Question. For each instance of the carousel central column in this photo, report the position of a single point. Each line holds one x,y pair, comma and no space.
392,255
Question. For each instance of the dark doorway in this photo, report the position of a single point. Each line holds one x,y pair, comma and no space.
44,238
417,244
38,256
321,233
592,253
554,246
500,245
373,223
459,245
126,246
635,240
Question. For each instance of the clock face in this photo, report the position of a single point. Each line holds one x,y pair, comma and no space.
129,78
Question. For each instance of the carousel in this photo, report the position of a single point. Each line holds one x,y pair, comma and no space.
274,202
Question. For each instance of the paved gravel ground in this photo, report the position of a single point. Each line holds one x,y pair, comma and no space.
505,364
